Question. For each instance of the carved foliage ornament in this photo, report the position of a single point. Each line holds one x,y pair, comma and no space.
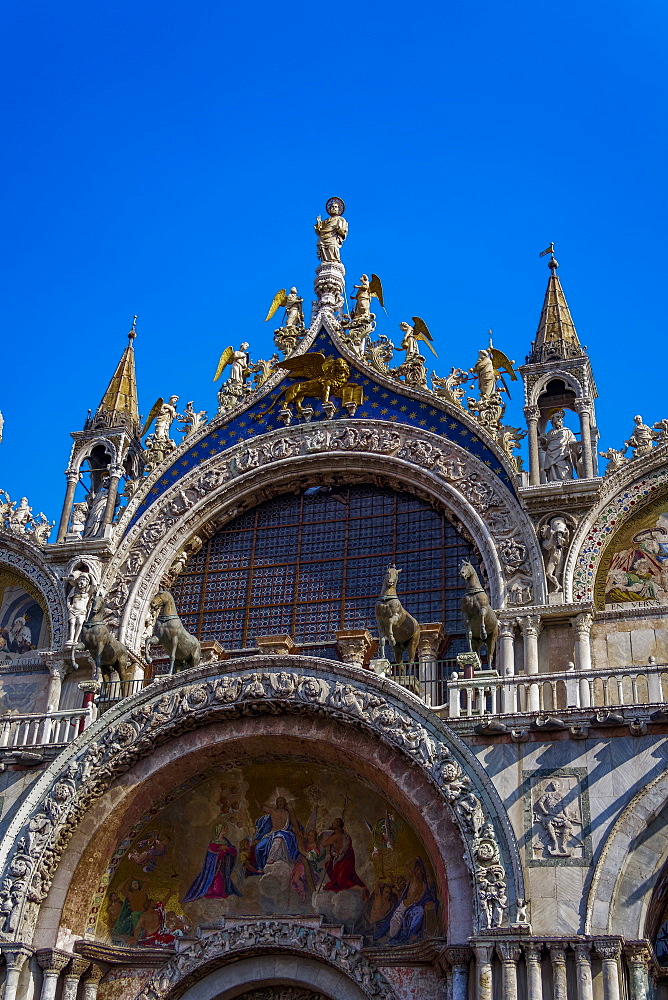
133,729
234,939
184,505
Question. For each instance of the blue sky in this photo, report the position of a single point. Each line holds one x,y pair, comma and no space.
168,159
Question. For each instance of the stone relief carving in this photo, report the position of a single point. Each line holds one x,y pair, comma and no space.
555,534
285,935
556,812
135,731
20,521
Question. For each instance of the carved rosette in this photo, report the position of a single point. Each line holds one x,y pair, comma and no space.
132,729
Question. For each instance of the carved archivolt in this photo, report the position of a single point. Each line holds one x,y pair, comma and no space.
235,939
45,582
596,530
215,491
42,827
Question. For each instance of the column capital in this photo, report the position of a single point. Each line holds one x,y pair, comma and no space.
484,952
51,960
431,636
582,951
638,953
532,412
95,973
280,645
583,622
533,950
530,624
608,948
458,955
353,644
509,951
557,953
16,954
78,965
583,405
507,628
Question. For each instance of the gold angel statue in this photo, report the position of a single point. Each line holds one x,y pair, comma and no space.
367,290
325,377
292,303
238,360
412,334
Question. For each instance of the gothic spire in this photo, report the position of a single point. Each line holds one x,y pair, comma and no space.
119,406
556,338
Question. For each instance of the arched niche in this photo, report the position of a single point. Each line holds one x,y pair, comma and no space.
356,451
294,707
22,563
281,977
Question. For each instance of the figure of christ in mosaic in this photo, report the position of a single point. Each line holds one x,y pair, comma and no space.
639,571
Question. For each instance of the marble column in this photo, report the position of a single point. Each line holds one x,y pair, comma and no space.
57,671
52,963
558,959
532,413
352,645
584,408
609,952
91,980
582,627
431,637
509,952
506,642
459,959
638,959
583,972
72,480
483,977
15,957
73,974
532,960
115,474
530,625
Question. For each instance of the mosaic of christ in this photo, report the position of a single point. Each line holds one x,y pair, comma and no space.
270,839
639,570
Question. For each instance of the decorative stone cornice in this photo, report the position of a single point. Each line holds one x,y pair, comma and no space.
131,730
234,940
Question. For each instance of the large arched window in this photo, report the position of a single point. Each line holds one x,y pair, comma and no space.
311,564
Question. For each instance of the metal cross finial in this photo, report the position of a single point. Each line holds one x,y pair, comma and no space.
133,331
552,263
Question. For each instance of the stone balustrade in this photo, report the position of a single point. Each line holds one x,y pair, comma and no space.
486,692
43,729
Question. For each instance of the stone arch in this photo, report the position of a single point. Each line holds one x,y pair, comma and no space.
541,382
630,866
24,559
225,963
188,705
633,487
250,472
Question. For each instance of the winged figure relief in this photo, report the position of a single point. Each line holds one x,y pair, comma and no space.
324,377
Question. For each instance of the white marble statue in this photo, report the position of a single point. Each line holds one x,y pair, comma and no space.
331,232
559,449
164,419
18,519
642,439
78,600
98,505
554,542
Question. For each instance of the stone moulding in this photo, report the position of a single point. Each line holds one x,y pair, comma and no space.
46,820
216,490
25,560
255,936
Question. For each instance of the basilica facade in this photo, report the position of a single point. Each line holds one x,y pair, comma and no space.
327,697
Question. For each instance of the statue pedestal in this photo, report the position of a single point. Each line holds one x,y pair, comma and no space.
468,663
381,666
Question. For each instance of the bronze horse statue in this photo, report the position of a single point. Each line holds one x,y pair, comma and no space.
182,648
395,625
108,652
480,618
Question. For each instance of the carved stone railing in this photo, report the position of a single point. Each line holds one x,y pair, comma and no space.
488,693
43,729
